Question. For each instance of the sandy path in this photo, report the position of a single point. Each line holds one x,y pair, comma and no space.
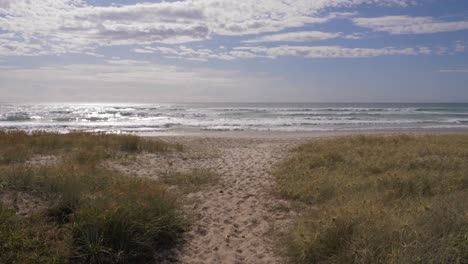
237,220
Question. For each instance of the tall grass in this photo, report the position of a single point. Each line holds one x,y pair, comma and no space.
30,240
112,218
126,225
18,146
398,199
104,216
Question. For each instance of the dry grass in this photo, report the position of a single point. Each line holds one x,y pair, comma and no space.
398,199
94,215
32,240
19,146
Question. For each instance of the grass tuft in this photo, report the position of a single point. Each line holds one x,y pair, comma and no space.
118,228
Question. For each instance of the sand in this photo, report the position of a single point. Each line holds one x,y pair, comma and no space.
237,219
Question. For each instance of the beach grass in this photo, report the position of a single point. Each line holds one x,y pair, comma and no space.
19,146
93,214
378,199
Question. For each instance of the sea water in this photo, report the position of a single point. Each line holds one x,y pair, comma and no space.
157,118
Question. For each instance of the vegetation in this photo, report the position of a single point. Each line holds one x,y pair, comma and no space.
32,240
396,199
94,214
19,146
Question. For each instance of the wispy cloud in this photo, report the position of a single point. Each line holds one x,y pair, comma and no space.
460,46
454,71
183,52
60,26
303,36
112,79
310,52
333,51
410,25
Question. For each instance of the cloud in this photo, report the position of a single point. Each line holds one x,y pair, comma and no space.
460,47
454,71
11,46
355,36
120,70
410,25
183,52
61,26
332,51
308,52
111,81
303,36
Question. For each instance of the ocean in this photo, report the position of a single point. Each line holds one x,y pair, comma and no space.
168,118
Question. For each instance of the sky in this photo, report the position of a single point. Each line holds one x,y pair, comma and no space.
234,51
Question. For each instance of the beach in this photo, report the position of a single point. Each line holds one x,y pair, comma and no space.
241,210
233,132
237,220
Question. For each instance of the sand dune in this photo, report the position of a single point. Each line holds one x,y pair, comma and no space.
236,220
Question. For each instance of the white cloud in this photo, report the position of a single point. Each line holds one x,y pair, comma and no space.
111,81
454,71
355,36
183,52
118,70
142,50
303,36
332,51
460,47
60,26
10,46
310,52
410,25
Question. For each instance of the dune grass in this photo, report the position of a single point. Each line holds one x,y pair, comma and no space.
30,240
94,214
396,199
19,146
